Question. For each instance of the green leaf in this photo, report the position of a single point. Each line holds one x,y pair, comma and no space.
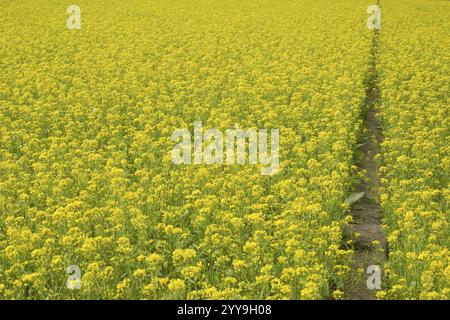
351,199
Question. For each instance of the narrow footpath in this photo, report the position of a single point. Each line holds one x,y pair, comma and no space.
369,241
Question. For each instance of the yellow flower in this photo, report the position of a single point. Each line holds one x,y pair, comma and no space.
176,285
139,273
338,294
239,264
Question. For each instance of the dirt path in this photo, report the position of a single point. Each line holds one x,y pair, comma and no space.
366,212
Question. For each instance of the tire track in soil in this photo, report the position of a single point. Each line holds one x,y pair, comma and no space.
366,212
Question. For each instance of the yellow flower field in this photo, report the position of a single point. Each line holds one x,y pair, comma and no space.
87,179
415,80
